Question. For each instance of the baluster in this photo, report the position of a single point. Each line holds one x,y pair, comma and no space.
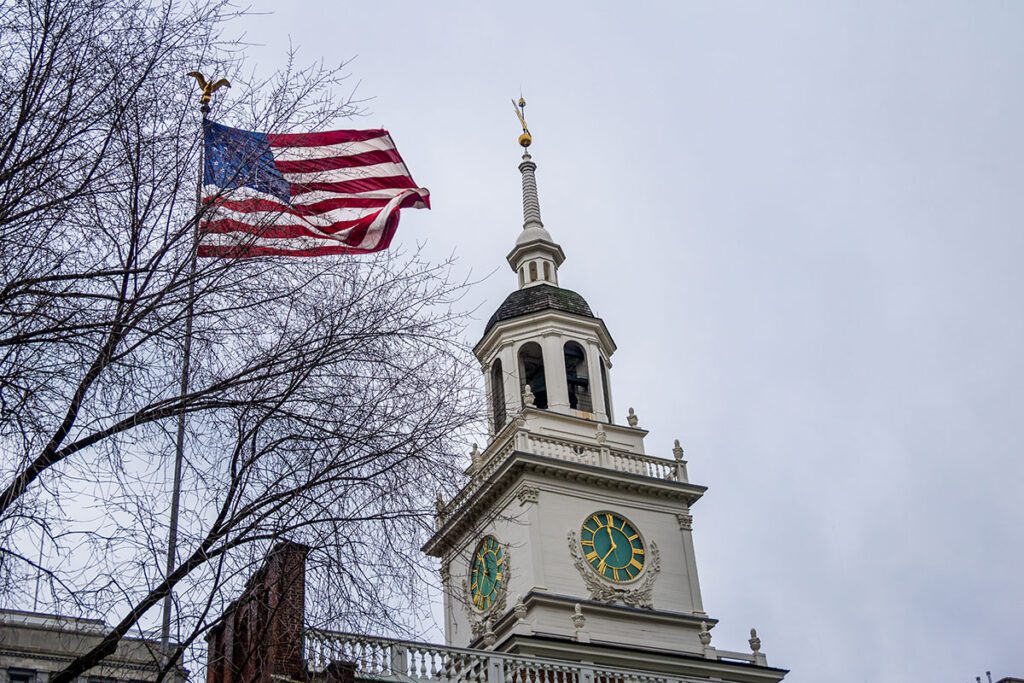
426,657
453,667
421,668
445,667
311,651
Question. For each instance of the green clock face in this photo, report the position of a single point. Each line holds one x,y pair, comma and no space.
612,546
487,573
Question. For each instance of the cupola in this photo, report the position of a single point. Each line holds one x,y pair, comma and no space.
543,347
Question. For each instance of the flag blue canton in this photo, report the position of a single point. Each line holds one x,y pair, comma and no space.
240,158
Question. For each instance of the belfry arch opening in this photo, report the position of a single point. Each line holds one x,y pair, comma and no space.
531,372
533,271
577,377
498,396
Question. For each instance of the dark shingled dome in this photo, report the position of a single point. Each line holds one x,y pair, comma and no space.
539,298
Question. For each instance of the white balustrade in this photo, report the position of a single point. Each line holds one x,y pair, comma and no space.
513,438
408,662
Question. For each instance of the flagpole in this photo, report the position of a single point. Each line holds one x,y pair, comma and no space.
179,446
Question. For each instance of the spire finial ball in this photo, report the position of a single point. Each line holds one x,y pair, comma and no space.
520,107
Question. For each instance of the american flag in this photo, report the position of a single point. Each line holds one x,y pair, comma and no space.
302,194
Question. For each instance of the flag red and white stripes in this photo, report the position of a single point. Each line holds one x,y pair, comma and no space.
302,194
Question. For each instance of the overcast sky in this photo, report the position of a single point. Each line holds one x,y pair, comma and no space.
802,223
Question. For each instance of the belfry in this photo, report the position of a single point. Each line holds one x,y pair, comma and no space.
569,544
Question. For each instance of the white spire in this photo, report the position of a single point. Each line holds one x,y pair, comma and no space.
535,257
531,202
533,227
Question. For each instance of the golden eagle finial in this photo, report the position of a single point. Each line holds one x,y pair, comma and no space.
525,139
208,88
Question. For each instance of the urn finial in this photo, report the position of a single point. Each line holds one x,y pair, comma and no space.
755,642
632,419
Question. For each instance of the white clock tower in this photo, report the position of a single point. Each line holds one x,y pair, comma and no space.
569,542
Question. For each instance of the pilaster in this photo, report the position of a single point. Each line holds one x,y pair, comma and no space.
510,372
596,385
554,372
686,531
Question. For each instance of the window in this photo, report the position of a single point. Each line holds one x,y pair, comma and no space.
577,377
522,276
607,394
533,271
497,396
531,370
547,271
21,676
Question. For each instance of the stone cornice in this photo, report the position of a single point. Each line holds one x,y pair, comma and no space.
485,346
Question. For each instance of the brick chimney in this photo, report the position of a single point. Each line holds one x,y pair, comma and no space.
259,639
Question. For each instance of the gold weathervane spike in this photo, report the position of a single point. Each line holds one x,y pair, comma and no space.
208,88
525,139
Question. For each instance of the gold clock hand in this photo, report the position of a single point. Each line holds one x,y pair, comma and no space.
601,563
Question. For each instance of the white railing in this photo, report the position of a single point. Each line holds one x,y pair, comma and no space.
409,662
515,437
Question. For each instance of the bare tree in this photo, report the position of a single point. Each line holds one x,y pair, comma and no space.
326,396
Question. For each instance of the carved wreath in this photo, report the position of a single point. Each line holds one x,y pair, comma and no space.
639,595
480,620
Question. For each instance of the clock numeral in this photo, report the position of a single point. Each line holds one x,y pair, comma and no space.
634,563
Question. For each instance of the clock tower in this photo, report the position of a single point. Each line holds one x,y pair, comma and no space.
569,541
